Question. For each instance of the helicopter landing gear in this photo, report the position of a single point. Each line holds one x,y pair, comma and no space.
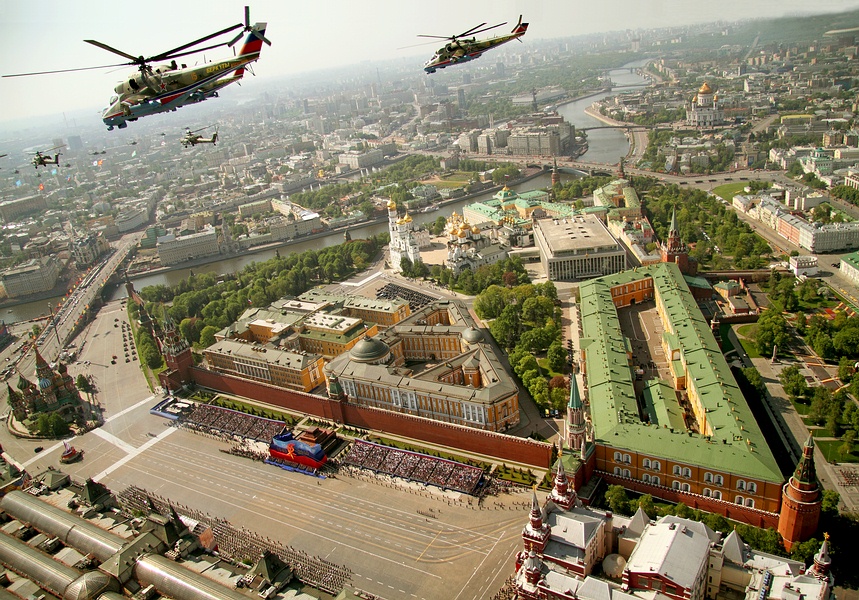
110,128
123,125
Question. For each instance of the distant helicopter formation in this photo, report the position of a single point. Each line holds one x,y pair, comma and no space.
192,138
460,49
155,89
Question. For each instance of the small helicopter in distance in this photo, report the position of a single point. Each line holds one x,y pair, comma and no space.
460,50
192,138
163,88
40,160
97,152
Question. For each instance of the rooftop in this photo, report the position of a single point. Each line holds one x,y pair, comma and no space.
731,436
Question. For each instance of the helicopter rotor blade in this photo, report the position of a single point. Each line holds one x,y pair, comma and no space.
191,51
465,33
134,59
67,70
233,41
482,30
172,53
247,16
438,37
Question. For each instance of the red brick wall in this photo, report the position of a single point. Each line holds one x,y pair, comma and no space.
735,512
497,445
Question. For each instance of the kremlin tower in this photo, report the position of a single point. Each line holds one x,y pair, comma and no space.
800,501
177,355
674,250
575,422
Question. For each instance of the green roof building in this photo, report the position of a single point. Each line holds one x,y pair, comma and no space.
687,435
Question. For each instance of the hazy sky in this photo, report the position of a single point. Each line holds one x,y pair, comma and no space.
39,35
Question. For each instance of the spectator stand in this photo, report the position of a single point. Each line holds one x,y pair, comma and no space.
416,467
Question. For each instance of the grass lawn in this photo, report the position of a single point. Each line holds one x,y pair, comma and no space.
745,332
801,409
830,451
267,413
544,366
729,190
455,180
514,475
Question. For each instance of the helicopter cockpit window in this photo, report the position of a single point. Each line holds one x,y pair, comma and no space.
133,84
113,99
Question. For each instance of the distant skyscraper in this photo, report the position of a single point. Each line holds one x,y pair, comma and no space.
460,94
499,69
75,142
306,106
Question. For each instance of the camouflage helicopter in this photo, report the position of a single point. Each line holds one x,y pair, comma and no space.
192,138
163,88
40,160
460,50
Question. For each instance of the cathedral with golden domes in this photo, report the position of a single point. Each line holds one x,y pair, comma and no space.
468,247
404,241
704,109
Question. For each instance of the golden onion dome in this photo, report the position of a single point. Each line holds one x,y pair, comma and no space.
462,233
400,221
475,229
392,205
695,98
454,232
407,218
705,89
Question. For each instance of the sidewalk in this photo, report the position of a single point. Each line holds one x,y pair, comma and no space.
831,477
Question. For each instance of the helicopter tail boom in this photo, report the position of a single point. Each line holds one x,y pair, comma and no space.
253,42
521,27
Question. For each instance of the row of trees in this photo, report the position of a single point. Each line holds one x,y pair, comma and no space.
764,540
508,272
202,305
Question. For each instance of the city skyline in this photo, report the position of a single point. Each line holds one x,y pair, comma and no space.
51,33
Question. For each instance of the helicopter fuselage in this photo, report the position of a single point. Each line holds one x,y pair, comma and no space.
463,50
166,87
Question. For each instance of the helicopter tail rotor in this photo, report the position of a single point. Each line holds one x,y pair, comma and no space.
248,28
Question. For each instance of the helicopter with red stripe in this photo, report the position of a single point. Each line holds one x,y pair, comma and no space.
460,49
154,89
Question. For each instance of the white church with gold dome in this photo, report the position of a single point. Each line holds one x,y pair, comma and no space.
404,238
704,109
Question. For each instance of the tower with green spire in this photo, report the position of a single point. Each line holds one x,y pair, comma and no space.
674,250
575,421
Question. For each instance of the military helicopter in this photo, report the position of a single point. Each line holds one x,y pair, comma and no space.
97,152
166,87
460,50
192,138
40,160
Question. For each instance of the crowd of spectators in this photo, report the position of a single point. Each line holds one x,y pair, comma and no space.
414,466
415,299
224,422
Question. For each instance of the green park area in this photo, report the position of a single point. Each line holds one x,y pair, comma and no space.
456,179
729,190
